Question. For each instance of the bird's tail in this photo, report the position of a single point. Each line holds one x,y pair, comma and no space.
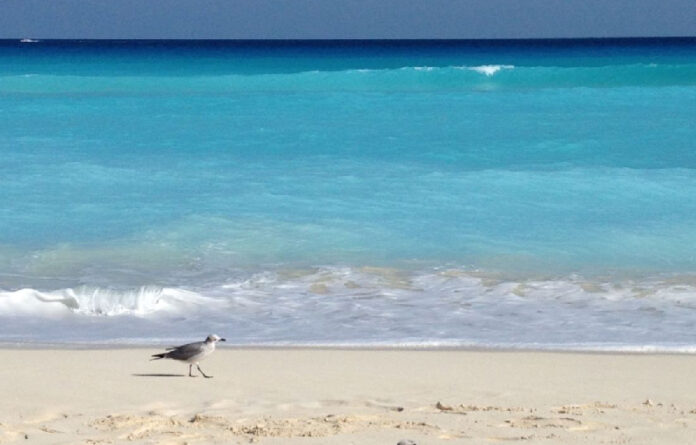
158,356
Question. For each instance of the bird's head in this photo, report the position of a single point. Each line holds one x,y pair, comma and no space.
212,338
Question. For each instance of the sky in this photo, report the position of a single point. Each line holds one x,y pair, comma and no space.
345,19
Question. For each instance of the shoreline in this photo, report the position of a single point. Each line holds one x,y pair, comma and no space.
7,346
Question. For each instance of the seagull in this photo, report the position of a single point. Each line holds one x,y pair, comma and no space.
192,353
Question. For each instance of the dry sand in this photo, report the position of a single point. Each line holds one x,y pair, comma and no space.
346,397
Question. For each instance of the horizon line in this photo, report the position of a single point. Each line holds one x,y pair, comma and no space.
32,39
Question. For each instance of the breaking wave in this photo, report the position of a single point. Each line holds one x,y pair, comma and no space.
95,301
371,306
489,70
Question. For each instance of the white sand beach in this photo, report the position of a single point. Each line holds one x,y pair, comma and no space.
295,396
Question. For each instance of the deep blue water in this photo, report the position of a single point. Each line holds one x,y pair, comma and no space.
525,193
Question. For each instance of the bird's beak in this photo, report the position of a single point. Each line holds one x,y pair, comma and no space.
223,339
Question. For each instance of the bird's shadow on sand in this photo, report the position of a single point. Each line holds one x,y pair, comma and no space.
158,375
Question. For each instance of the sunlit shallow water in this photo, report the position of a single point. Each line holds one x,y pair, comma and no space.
509,194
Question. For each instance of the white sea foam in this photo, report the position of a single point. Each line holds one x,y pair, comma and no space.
375,307
489,70
97,301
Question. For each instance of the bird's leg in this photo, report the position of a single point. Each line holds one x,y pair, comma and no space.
190,366
202,373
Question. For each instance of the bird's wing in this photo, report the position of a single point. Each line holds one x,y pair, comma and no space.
186,351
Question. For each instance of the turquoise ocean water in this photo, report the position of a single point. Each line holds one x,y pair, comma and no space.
524,194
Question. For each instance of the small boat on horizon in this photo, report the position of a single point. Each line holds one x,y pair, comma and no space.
28,41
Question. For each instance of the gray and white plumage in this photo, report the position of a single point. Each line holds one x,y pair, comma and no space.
191,353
